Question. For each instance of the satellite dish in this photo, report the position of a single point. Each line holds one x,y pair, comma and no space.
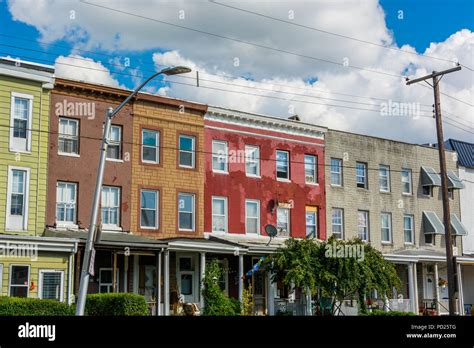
271,230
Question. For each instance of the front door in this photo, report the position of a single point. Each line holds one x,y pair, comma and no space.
187,277
429,287
259,289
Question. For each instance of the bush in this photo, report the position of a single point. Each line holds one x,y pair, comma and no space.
379,312
215,301
20,306
116,304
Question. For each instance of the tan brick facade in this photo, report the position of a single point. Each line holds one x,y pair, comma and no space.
171,119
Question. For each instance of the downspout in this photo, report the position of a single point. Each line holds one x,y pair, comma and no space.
69,279
38,166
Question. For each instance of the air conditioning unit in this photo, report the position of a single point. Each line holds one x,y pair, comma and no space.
310,178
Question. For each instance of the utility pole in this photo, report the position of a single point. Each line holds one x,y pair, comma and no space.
87,265
436,78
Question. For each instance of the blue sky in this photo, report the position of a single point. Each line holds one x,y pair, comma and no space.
110,38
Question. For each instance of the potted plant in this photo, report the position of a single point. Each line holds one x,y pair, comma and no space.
442,282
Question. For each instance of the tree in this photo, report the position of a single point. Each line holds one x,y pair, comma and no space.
336,269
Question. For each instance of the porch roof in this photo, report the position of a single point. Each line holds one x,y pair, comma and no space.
254,244
46,243
110,239
419,255
429,177
204,245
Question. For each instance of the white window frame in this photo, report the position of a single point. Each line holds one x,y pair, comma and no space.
192,152
225,216
26,199
315,213
225,267
157,215
109,284
156,147
342,222
410,181
366,183
40,282
11,275
248,160
387,177
1,279
288,175
193,212
219,156
389,241
315,170
12,146
69,136
367,224
288,232
338,173
411,227
251,217
116,143
112,226
66,223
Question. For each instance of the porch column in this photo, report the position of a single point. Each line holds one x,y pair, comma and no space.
436,275
167,283
411,287
158,283
460,291
270,295
415,283
136,272
114,270
241,277
125,273
203,273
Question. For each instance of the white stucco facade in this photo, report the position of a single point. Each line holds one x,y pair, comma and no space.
467,208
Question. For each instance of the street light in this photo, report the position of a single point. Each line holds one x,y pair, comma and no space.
89,247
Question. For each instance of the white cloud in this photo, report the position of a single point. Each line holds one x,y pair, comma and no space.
94,28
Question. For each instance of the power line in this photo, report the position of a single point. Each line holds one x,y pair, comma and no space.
231,91
332,33
219,154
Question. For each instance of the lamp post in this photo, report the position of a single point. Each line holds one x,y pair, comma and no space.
89,246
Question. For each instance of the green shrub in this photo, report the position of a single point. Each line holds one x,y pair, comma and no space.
116,304
215,301
378,312
20,306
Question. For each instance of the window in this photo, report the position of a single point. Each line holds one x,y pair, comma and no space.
150,146
406,181
51,285
149,213
283,221
386,227
186,284
66,198
310,169
17,198
19,281
384,178
427,190
252,216
114,149
283,165
336,171
311,222
20,122
106,280
252,160
451,193
408,228
219,214
429,239
361,174
187,154
186,211
219,156
68,137
337,217
363,225
110,206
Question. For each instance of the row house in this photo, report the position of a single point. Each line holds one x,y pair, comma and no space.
261,171
388,194
31,265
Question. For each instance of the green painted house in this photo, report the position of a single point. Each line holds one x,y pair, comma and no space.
31,265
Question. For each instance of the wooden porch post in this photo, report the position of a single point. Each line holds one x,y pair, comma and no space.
436,275
115,287
241,277
167,283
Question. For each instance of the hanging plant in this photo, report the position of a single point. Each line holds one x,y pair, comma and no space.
442,282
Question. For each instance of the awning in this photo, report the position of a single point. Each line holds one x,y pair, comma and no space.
431,223
429,177
458,227
453,181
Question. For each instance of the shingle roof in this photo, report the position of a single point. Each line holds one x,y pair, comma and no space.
464,150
